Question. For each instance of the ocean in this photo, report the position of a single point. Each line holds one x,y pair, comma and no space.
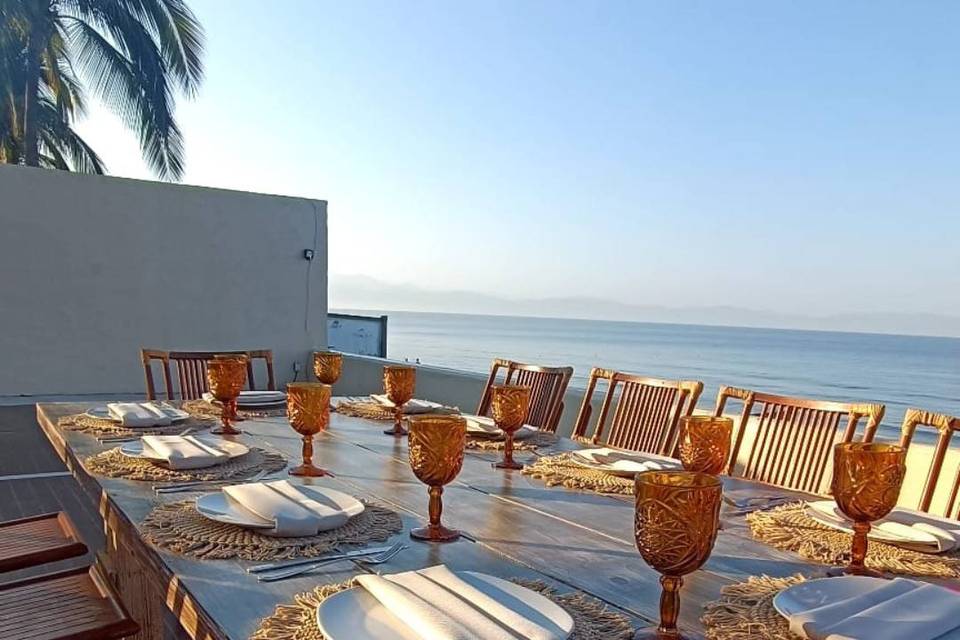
899,371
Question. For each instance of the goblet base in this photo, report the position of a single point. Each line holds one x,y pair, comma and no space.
396,433
309,471
652,633
226,431
508,464
438,533
836,572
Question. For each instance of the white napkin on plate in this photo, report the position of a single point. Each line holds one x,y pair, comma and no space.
411,407
616,461
184,452
906,528
482,424
439,605
138,414
292,512
896,610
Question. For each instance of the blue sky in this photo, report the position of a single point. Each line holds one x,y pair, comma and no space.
776,155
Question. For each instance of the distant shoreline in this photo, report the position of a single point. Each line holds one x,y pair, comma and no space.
379,312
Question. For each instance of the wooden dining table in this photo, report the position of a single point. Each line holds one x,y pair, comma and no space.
514,527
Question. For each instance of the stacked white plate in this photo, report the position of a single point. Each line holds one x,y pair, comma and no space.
905,528
102,413
255,399
625,464
484,427
355,614
931,619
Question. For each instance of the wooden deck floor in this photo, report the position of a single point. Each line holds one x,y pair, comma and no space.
24,450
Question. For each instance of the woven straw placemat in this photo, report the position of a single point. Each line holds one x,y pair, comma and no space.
178,527
376,411
560,470
95,426
745,611
113,464
204,409
789,527
534,442
592,620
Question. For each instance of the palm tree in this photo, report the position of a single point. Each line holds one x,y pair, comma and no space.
134,54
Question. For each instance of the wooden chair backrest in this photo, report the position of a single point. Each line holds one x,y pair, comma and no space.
794,437
646,414
547,386
945,426
191,369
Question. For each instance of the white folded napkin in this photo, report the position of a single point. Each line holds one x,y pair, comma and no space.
292,512
411,407
184,452
439,605
138,414
906,528
896,610
252,397
624,462
482,424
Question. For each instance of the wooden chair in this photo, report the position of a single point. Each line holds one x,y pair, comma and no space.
547,384
79,604
29,542
794,437
646,415
192,370
946,426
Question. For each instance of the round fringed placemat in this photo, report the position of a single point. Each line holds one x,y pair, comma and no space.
745,611
376,411
560,470
592,620
113,464
95,426
204,409
789,527
535,441
178,527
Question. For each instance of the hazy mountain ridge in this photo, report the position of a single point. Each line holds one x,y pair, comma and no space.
363,292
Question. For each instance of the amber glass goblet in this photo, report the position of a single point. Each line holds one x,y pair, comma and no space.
327,366
436,455
509,405
866,485
226,376
398,383
676,520
308,410
705,443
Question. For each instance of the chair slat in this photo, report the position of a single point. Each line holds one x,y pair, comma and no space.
945,426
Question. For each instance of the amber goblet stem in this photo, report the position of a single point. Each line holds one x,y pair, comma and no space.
508,462
436,506
307,468
858,552
669,605
398,431
227,416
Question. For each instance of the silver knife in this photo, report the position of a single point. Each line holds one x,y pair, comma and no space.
299,561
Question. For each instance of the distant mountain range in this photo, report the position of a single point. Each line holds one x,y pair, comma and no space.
363,292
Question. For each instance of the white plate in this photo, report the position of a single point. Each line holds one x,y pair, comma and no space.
583,459
827,512
815,593
215,506
354,614
135,448
476,431
102,413
254,399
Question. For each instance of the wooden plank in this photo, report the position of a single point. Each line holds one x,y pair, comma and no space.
37,540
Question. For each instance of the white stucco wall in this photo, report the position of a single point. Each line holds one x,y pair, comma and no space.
94,268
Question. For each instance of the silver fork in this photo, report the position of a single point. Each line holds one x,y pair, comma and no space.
195,485
747,503
297,571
